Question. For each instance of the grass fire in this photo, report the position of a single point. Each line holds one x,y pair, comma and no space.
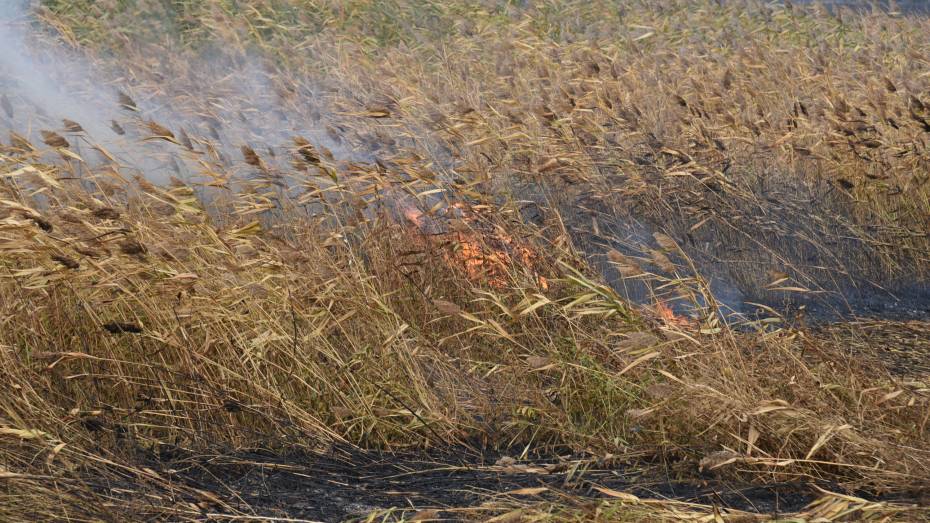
464,260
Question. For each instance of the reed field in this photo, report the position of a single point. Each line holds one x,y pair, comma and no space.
480,260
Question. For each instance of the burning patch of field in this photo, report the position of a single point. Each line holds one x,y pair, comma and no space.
463,260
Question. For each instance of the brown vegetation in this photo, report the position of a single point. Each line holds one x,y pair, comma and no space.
269,291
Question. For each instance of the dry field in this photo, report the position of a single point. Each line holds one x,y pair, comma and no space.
314,260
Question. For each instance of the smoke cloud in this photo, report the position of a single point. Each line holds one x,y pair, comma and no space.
210,105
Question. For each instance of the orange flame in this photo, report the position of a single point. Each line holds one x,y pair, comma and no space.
473,253
414,215
668,315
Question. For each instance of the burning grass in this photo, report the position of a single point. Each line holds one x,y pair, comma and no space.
464,225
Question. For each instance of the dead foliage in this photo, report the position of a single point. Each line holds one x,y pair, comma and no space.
493,231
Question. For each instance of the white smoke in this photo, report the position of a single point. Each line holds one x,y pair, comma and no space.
221,101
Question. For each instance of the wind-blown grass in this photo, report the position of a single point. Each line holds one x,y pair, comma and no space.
286,302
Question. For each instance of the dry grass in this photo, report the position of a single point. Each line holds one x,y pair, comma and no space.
398,293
